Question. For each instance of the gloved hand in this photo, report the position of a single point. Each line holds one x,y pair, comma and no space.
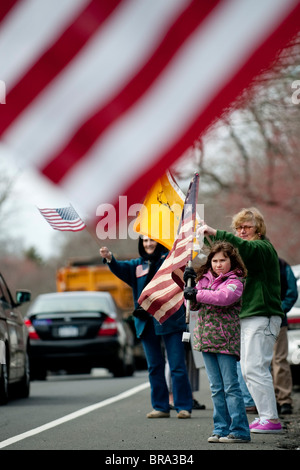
189,273
190,293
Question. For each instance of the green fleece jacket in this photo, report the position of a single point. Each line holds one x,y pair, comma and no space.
261,295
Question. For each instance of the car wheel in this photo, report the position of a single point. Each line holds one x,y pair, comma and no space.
124,367
23,388
38,373
130,370
295,369
130,362
119,369
3,385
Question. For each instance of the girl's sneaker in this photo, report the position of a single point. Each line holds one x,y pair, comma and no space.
266,427
254,423
214,438
234,439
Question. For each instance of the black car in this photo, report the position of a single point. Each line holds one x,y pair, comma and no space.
77,331
293,334
14,343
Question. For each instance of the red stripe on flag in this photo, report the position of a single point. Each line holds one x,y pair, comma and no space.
260,60
5,7
55,59
83,139
25,139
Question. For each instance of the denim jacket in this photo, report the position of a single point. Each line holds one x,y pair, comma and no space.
134,273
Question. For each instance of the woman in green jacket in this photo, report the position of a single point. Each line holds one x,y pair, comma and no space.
261,312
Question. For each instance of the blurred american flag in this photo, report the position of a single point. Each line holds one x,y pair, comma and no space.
104,96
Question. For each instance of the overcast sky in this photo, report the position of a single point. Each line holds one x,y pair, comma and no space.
29,192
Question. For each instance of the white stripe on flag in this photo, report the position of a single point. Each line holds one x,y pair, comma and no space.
28,30
129,140
91,77
161,110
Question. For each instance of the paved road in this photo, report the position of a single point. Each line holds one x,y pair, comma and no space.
100,416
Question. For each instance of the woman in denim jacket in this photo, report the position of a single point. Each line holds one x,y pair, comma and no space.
137,273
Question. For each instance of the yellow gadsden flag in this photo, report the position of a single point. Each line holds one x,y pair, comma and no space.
160,214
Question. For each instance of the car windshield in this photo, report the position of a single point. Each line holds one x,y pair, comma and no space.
71,304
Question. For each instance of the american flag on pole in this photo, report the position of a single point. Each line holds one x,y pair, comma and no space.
64,219
102,97
163,296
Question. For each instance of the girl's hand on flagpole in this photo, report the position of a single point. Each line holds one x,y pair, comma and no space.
190,294
189,273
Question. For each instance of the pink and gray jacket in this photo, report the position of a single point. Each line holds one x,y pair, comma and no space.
217,328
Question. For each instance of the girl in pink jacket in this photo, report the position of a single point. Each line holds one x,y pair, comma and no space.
217,296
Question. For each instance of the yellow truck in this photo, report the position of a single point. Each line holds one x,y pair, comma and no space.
86,275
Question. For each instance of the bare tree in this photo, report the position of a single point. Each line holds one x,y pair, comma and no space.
251,156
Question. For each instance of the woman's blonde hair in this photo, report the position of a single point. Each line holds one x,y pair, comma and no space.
250,215
236,263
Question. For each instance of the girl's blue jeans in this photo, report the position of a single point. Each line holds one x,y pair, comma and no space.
182,393
229,412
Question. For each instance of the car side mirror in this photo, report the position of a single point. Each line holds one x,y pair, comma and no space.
23,296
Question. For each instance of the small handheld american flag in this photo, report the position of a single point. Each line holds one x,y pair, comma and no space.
65,218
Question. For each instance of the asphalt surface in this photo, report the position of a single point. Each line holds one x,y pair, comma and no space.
119,428
173,434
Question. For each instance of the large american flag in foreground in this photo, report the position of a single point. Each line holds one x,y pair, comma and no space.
63,219
104,96
163,296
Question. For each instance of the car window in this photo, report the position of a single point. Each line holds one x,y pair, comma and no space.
4,292
70,304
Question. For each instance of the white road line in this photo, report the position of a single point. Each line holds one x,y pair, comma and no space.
74,415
